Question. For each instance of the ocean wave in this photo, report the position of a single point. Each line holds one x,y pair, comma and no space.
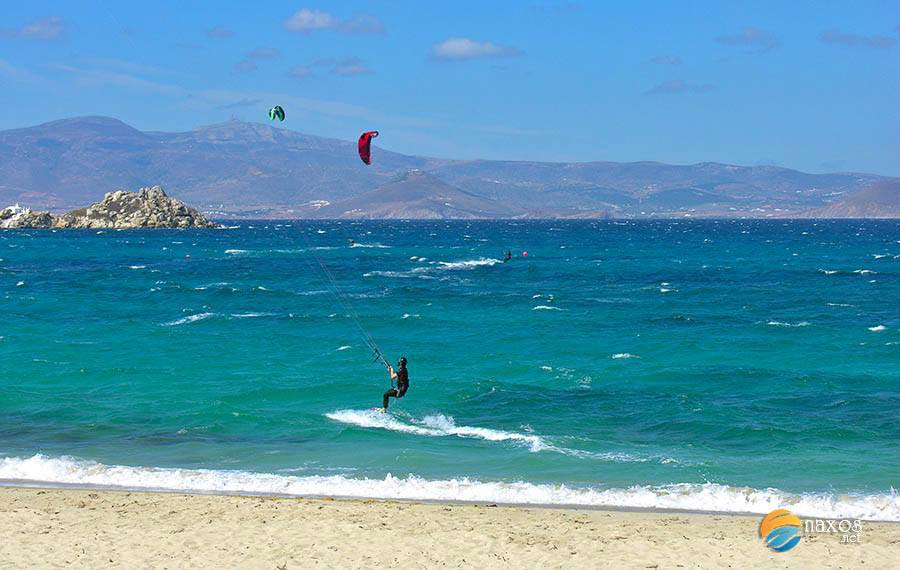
434,425
878,328
783,324
468,264
545,308
371,245
440,266
623,355
236,251
188,319
218,285
439,425
711,497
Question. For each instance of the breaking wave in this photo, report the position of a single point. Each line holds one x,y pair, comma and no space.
439,425
700,497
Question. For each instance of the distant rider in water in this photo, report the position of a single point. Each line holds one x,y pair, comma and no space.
402,378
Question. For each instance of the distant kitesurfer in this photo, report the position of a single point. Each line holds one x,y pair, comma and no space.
402,378
351,242
507,257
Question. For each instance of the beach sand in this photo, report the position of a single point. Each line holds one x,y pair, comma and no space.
49,528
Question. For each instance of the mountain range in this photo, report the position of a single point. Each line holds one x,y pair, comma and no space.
240,169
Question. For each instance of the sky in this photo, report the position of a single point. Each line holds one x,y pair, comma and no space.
808,85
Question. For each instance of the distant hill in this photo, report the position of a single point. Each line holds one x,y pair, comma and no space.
257,170
881,200
418,195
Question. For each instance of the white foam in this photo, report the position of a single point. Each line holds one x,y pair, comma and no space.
623,355
878,328
137,267
20,284
782,324
863,271
468,264
235,251
705,497
545,308
439,425
371,245
344,347
188,319
829,271
250,315
210,286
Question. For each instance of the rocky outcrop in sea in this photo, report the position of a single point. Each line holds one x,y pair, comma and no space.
15,217
146,208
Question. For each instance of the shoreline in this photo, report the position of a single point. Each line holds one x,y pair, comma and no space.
51,486
86,487
86,528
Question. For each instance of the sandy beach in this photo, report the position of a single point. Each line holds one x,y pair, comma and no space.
50,528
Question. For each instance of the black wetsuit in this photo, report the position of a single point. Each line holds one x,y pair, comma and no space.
400,390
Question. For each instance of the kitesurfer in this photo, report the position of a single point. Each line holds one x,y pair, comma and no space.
402,378
507,257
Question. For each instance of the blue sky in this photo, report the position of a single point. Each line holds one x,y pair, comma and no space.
807,85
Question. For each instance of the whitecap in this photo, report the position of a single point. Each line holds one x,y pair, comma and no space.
545,308
878,328
188,319
623,355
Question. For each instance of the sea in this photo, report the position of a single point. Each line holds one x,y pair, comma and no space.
713,365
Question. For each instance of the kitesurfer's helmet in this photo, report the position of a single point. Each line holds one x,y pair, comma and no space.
402,361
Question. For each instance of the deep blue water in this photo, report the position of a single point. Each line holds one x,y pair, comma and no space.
728,365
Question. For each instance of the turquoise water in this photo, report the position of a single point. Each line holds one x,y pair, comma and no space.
724,365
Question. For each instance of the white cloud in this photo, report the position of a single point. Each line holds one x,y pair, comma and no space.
245,66
220,33
363,24
351,66
465,48
753,39
306,21
263,53
301,71
106,78
848,39
679,86
666,60
50,28
347,67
